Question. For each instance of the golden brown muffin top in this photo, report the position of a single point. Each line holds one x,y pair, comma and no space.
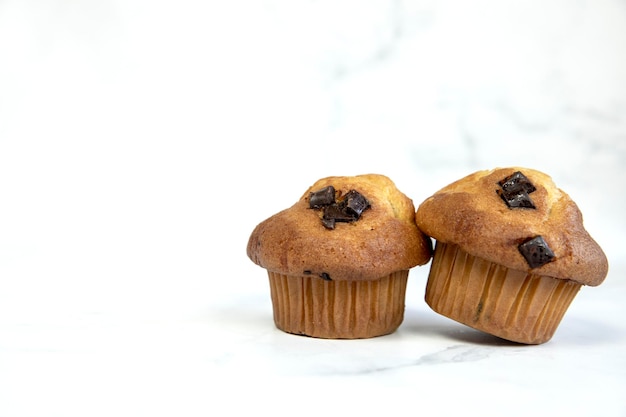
474,214
383,240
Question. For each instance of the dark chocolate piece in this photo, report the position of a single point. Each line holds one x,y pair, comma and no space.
338,213
519,200
355,203
323,197
516,182
348,209
325,276
536,252
515,189
328,223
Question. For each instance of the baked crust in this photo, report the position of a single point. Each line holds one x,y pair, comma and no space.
385,239
471,214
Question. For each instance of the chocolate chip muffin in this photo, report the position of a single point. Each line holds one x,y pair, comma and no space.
338,259
511,253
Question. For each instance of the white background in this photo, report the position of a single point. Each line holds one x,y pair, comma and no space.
141,142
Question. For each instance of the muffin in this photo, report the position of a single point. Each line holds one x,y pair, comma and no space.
511,253
339,258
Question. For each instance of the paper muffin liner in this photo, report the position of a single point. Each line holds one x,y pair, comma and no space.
309,305
507,303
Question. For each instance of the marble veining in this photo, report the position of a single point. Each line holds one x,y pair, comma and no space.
451,354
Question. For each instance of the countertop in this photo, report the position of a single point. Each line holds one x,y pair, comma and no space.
227,355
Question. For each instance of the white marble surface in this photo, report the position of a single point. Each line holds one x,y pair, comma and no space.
141,141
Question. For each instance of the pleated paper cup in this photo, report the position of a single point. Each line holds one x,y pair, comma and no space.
507,303
311,306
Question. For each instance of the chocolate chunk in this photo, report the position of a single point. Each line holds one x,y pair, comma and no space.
515,190
328,223
337,213
325,276
536,252
323,197
348,209
519,200
516,182
355,203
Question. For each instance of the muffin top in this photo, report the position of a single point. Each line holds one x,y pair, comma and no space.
343,228
518,218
